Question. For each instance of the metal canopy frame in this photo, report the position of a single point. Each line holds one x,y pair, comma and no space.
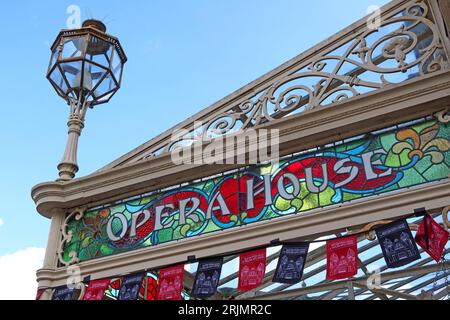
422,279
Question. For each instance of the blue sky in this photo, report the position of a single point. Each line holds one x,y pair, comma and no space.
183,56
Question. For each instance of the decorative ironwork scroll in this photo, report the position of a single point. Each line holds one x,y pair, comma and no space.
406,45
445,218
369,229
384,161
443,116
66,255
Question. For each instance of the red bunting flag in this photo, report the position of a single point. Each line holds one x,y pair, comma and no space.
96,289
252,267
39,294
342,258
437,238
170,283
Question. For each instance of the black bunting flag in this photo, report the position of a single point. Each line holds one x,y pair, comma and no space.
129,289
207,278
63,293
397,243
291,263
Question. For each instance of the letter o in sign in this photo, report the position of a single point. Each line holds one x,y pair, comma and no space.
282,188
124,222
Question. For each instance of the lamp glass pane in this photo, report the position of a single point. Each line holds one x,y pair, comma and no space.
95,74
73,47
57,78
116,65
72,72
53,59
108,84
106,97
99,51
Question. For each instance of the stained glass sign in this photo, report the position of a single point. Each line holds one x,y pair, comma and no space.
379,163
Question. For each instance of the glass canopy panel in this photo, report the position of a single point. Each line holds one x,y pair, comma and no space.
99,51
73,47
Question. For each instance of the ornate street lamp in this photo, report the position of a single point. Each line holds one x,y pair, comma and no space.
85,70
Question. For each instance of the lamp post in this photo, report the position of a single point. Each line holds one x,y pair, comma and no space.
85,70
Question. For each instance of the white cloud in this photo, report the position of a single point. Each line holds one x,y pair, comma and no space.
1,222
18,274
